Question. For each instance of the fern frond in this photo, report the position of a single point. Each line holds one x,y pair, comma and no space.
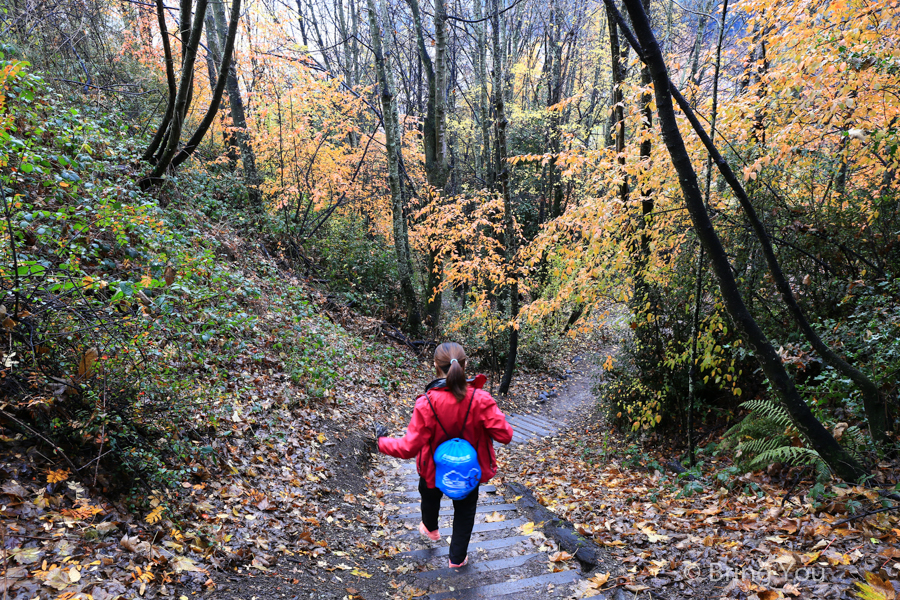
791,455
769,409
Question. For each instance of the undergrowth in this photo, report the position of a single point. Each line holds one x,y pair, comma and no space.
128,336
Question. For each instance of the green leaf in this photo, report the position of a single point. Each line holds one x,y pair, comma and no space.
26,167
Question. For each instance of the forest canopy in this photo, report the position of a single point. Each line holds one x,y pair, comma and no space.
508,173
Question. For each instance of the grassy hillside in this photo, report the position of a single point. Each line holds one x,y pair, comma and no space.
170,385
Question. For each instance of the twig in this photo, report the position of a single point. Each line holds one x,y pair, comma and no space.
12,248
35,433
5,566
790,491
867,514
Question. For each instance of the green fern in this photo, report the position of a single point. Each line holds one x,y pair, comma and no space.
754,447
793,455
768,435
855,441
769,410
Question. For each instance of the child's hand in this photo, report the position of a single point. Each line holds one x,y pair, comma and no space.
380,431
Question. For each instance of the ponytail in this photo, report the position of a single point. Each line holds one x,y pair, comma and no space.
451,359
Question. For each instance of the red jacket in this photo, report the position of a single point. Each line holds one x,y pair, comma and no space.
485,425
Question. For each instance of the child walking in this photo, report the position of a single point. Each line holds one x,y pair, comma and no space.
448,401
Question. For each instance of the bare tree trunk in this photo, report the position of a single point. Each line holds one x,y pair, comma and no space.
618,98
392,142
322,47
252,180
698,41
554,96
212,42
181,100
170,81
698,288
481,43
502,170
843,464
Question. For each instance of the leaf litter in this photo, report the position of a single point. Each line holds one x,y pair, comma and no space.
285,503
718,537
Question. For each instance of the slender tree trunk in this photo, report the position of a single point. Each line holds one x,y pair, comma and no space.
181,100
225,29
481,43
170,82
319,40
184,34
302,21
354,20
843,464
554,96
618,99
502,170
212,43
698,288
227,66
392,142
698,41
644,305
434,137
347,66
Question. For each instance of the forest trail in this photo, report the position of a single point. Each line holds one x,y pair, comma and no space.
509,556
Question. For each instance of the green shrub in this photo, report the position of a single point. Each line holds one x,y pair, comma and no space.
360,267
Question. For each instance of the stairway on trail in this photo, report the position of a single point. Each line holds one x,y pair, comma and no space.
503,563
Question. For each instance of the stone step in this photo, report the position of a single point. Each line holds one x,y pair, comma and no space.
497,544
533,424
479,567
531,428
477,528
486,508
521,437
539,421
538,584
491,499
413,492
525,426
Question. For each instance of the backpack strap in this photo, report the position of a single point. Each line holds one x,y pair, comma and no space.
466,418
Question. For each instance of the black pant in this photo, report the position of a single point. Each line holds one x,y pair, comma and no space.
463,518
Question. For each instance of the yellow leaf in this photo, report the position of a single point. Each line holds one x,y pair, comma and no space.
560,556
183,563
155,515
527,528
875,588
494,517
359,573
598,581
321,438
57,476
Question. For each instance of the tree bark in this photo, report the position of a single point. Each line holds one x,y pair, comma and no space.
392,142
554,96
212,42
181,100
434,136
226,34
502,169
841,462
170,82
481,67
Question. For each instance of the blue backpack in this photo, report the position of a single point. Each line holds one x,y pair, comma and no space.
456,461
